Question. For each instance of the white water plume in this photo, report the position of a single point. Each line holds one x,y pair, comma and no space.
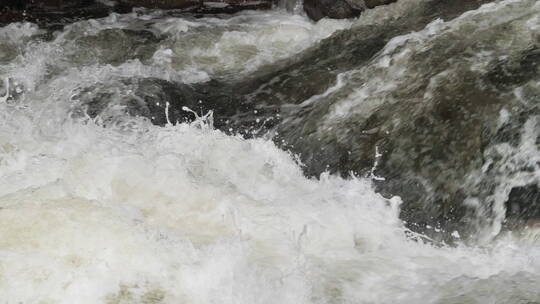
183,214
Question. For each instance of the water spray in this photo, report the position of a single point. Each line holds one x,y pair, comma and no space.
5,97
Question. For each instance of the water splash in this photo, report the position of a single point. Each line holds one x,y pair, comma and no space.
4,99
204,122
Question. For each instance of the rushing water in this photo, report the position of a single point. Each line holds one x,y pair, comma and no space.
107,207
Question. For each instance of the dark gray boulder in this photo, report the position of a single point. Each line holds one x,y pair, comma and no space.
339,9
523,204
336,9
203,6
50,13
162,101
374,3
367,4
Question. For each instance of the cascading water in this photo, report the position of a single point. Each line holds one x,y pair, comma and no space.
108,196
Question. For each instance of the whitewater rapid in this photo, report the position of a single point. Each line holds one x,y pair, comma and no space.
129,212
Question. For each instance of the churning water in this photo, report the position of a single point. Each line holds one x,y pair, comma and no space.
109,208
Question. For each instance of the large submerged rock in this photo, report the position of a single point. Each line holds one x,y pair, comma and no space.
445,117
343,108
423,111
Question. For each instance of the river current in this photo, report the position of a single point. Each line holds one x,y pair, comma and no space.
111,208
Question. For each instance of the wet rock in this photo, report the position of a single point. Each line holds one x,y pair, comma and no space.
56,13
199,98
13,4
337,9
60,12
200,6
163,4
164,102
366,4
523,203
507,73
434,132
375,3
154,99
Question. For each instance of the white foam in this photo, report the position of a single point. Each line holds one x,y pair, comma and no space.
187,214
173,209
18,32
244,43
